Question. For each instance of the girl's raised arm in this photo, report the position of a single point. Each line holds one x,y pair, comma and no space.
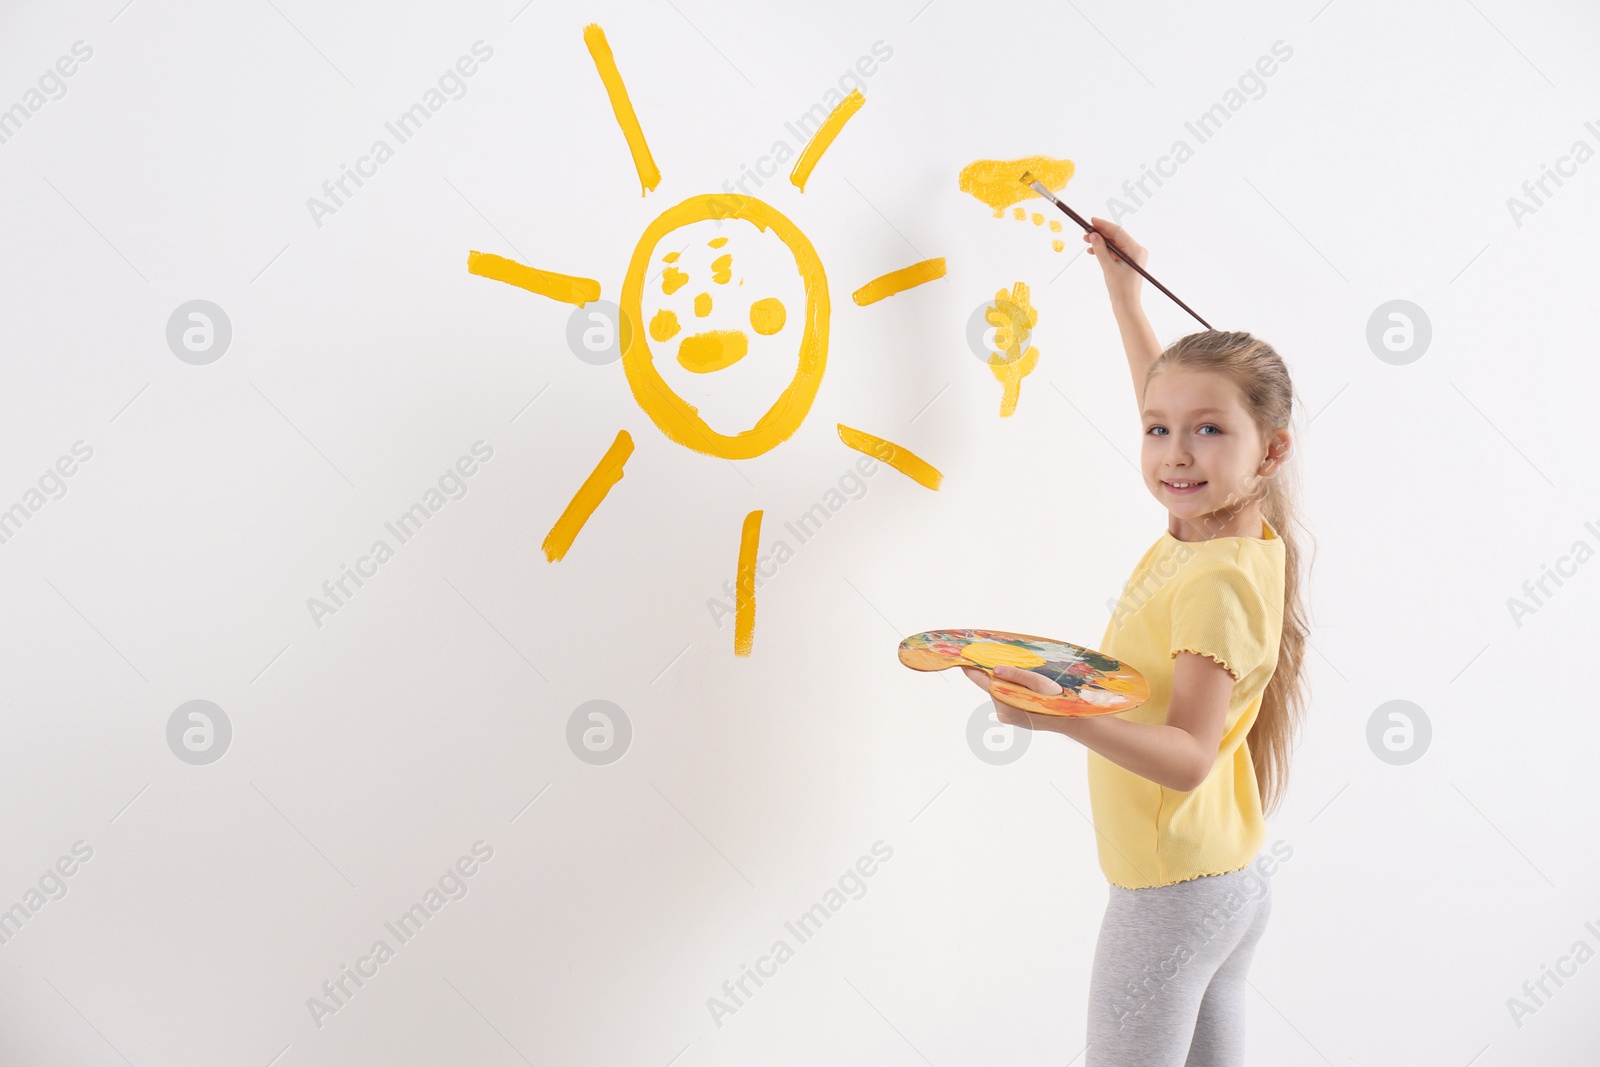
1124,283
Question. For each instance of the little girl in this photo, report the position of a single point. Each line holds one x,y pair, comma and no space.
1212,618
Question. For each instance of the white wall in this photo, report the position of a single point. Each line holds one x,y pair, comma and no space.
370,753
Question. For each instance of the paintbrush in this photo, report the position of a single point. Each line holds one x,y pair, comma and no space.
1039,188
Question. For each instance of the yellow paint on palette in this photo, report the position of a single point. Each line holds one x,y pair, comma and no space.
767,316
712,350
702,304
1120,683
824,137
722,269
595,38
1058,245
744,586
1019,213
594,489
717,242
993,654
997,182
899,281
899,457
673,279
672,257
1055,225
563,287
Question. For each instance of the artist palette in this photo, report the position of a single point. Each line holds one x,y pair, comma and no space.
1092,683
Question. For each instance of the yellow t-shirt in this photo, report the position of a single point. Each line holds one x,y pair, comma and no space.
1222,598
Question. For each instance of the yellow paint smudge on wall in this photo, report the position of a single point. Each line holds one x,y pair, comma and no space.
997,182
673,279
702,304
594,489
664,325
563,287
767,316
744,585
712,350
722,269
595,38
898,281
899,457
824,137
1013,318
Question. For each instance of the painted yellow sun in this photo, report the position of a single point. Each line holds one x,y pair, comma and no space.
662,333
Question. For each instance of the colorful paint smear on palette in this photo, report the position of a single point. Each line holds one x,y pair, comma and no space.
997,182
707,331
1094,683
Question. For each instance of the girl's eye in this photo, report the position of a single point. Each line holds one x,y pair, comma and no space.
1211,426
1155,429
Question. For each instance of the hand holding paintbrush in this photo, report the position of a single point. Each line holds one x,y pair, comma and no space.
1101,236
1117,252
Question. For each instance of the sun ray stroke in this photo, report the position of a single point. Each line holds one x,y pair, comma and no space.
899,457
566,288
622,107
897,281
744,617
606,474
824,137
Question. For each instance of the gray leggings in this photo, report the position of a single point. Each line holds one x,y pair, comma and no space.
1168,987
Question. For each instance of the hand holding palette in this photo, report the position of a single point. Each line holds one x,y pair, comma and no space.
1092,684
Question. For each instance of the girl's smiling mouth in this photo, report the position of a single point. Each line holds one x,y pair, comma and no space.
1182,488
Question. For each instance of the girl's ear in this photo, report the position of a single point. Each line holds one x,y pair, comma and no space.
1277,451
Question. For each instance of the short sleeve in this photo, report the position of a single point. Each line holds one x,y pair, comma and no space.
1218,612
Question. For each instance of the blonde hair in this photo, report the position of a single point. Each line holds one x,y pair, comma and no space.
1262,378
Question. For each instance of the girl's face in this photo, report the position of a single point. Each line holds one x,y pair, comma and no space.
1202,453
